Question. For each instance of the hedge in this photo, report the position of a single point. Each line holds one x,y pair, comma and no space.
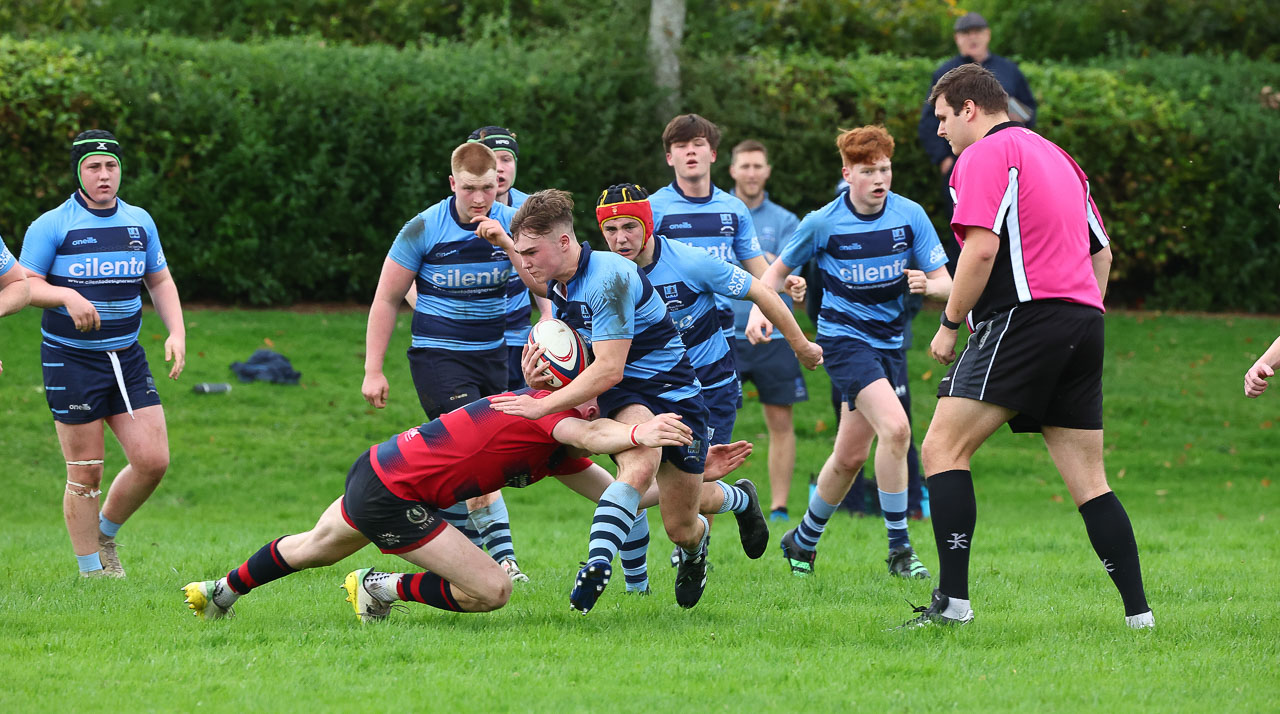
1030,29
279,171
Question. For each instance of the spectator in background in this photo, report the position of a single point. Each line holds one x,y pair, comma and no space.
770,365
973,40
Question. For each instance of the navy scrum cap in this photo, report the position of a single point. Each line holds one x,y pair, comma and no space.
970,21
94,142
497,138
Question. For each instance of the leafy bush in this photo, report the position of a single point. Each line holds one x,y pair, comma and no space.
1030,29
280,171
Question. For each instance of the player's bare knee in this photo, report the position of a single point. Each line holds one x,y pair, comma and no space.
896,435
495,594
683,533
846,465
84,478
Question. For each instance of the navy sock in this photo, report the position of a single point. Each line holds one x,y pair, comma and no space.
261,568
1111,534
428,589
955,511
815,521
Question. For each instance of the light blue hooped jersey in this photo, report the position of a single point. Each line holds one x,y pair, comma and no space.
719,224
688,280
462,279
862,261
103,254
609,298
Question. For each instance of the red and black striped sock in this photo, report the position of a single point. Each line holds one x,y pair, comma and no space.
261,568
428,589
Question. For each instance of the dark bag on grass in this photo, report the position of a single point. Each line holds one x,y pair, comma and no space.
266,366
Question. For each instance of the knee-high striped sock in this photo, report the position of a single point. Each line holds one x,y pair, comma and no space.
428,589
735,499
456,516
494,526
815,521
1111,534
635,552
894,507
261,568
615,515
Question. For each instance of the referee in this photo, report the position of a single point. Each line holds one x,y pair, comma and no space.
1030,281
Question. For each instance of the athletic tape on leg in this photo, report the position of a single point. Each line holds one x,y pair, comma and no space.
91,492
87,462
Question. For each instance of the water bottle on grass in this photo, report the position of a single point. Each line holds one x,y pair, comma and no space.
211,388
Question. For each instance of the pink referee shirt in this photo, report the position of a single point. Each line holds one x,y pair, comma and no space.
1030,193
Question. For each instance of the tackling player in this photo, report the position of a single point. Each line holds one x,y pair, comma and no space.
87,262
640,369
865,240
396,490
1030,280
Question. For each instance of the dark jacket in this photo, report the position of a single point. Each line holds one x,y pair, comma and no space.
1010,77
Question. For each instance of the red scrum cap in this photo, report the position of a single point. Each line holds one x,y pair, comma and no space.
626,199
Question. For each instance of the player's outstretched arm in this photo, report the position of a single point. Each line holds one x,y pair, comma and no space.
164,295
935,285
1255,380
606,436
392,286
776,312
773,280
15,292
599,376
491,230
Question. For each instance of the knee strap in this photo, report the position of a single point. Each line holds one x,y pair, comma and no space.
87,462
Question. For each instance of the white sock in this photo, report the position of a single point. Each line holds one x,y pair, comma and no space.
1140,621
223,596
382,585
957,609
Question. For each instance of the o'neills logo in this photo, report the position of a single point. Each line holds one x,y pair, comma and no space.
99,268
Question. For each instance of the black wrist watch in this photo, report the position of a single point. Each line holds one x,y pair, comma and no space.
949,324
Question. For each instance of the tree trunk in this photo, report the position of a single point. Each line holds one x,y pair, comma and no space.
666,33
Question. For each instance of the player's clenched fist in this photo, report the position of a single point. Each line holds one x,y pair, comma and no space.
943,346
1255,380
375,390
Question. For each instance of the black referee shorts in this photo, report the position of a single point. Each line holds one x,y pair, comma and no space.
1040,359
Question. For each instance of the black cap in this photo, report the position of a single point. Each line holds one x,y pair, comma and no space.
970,21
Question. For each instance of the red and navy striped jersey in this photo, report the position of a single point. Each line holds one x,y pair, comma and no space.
473,450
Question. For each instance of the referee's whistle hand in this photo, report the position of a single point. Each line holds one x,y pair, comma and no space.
943,346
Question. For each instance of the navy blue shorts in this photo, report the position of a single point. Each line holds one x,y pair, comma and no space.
515,375
723,404
690,459
775,371
853,364
81,386
448,379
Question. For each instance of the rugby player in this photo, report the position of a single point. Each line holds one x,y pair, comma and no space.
640,369
87,262
1030,281
15,294
396,490
865,241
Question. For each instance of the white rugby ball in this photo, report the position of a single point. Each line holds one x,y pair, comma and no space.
565,356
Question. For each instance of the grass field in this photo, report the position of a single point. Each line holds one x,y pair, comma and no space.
1193,461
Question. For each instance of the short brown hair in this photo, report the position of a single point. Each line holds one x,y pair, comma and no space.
473,158
544,213
688,127
749,145
971,82
864,145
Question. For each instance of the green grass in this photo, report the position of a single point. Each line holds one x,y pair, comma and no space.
1192,459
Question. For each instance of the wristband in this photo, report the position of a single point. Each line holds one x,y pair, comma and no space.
633,435
947,323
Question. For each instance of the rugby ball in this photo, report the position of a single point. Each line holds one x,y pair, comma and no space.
565,356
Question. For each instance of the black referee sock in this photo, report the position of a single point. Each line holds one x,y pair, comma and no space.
954,513
1112,537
